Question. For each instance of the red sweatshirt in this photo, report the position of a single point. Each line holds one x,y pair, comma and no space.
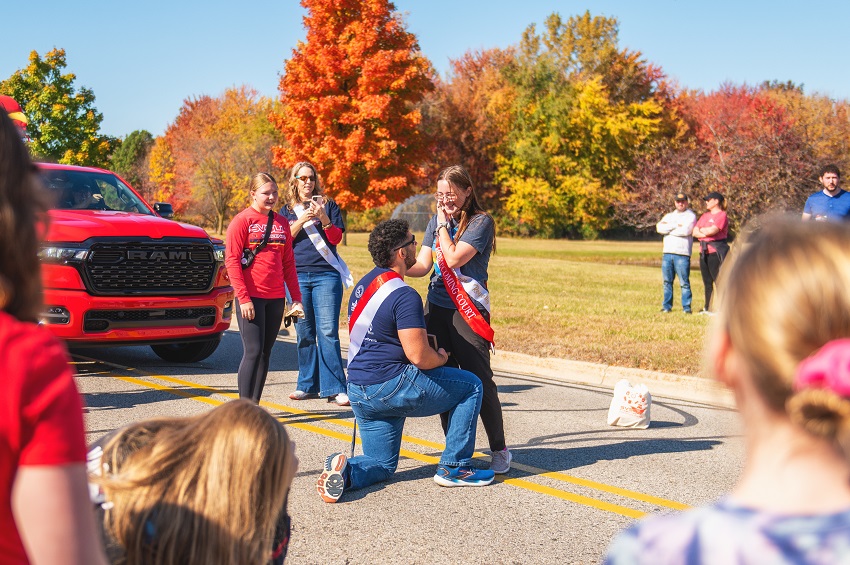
271,267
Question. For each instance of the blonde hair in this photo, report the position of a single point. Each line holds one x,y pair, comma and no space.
783,294
23,203
292,197
212,487
259,180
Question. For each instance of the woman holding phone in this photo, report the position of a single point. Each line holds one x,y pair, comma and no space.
457,245
317,226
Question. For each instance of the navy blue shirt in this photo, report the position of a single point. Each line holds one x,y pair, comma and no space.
307,259
381,356
832,208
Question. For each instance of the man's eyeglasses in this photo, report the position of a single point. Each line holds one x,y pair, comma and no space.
403,245
445,197
306,178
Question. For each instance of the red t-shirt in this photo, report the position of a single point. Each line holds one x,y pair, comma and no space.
41,418
271,267
721,221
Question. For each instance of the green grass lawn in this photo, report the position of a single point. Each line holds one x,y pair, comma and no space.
593,301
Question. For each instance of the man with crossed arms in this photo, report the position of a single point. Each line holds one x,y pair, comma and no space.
393,374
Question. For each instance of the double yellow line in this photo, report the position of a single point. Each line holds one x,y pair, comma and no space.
429,459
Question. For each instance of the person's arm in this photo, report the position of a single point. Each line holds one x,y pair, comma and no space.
414,341
664,227
424,263
298,224
236,239
54,515
332,223
686,228
458,254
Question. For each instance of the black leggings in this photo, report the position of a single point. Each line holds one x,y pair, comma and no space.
258,338
709,267
470,352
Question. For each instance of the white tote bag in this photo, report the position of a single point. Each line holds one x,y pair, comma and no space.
630,406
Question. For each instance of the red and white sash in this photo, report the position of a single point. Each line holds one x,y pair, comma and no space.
335,261
367,306
462,289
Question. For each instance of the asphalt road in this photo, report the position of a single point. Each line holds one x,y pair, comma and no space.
575,481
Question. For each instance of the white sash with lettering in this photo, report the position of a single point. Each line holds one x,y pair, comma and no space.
357,331
474,289
323,249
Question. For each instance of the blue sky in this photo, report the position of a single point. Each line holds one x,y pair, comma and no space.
142,59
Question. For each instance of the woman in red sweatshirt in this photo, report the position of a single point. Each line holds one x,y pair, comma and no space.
259,282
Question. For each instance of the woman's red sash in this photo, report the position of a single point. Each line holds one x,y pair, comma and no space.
462,301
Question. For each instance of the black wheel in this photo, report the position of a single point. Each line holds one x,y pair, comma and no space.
187,352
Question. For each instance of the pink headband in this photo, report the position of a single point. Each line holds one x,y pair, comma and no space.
828,367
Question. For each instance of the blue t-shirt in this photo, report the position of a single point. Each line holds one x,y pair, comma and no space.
479,234
381,356
307,259
833,208
727,533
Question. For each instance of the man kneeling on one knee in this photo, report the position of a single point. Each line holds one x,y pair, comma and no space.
393,374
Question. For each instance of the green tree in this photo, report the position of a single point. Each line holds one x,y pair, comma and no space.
130,160
63,125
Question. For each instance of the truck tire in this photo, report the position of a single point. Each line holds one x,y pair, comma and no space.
187,352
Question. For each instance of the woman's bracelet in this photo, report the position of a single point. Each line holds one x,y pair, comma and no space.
329,224
441,225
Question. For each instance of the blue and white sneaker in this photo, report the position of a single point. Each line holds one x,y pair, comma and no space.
463,476
331,482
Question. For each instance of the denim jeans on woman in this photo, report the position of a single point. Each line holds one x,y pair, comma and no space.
382,408
320,369
680,266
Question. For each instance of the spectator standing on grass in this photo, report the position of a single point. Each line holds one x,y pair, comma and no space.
210,488
317,226
711,230
457,244
677,227
782,345
394,374
45,516
830,204
259,288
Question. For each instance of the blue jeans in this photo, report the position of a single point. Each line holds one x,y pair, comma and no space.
680,266
382,408
319,359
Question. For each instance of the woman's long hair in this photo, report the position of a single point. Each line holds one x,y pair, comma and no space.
292,197
204,489
783,294
22,206
459,177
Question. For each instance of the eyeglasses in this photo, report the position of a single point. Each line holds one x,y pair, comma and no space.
448,197
403,245
306,178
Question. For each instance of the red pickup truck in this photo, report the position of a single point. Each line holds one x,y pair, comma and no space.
117,271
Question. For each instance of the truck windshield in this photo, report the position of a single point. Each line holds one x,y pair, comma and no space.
86,190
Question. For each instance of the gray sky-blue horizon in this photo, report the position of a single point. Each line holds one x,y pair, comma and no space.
142,61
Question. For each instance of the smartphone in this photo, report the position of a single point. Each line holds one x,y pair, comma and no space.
432,341
319,199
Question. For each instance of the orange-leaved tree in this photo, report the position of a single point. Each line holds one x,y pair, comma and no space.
349,102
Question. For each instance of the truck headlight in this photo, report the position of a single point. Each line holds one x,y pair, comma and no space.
218,250
55,254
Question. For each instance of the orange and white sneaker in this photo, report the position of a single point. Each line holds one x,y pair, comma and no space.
331,482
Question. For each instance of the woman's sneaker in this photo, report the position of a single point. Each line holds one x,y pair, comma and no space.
463,476
301,395
331,482
500,462
341,399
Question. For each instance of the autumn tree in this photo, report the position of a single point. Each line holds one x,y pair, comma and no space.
349,98
64,125
583,112
467,118
131,161
208,155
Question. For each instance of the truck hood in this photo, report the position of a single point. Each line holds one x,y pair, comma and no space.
79,225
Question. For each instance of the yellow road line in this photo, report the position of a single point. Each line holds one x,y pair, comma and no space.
520,483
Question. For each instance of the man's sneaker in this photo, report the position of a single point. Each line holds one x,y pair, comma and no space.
500,462
301,395
331,482
341,399
463,477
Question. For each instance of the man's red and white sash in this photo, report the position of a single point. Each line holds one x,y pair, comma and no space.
367,306
462,289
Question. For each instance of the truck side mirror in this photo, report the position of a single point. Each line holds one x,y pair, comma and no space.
164,209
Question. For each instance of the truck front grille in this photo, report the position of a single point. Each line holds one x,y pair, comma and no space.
150,268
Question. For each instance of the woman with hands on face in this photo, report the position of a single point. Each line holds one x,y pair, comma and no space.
317,227
259,288
457,245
